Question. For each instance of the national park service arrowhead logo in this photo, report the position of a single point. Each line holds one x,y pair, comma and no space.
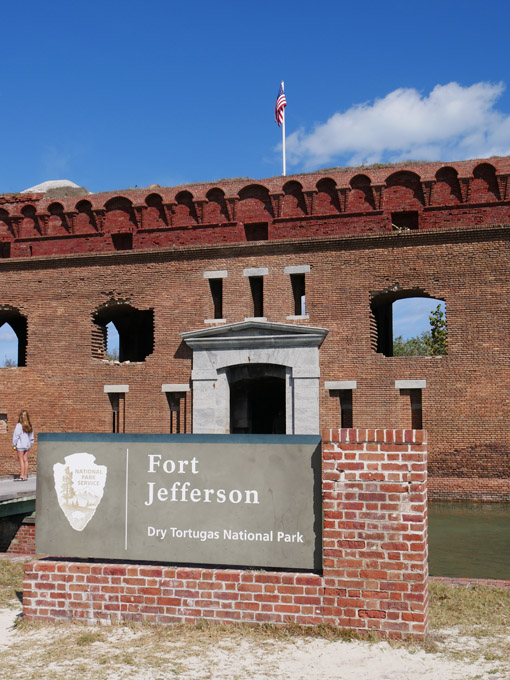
79,484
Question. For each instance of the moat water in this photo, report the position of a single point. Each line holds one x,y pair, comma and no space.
469,540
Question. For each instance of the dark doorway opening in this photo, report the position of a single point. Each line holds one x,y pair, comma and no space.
257,399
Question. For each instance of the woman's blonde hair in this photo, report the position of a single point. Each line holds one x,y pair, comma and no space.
24,419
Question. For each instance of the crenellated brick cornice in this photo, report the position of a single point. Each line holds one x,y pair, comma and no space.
348,200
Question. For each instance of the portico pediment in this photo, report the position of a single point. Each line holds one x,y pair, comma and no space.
255,334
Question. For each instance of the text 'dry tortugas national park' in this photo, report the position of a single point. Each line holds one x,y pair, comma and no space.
257,450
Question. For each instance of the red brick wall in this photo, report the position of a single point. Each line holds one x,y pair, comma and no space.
340,225
465,403
24,541
374,574
17,534
486,469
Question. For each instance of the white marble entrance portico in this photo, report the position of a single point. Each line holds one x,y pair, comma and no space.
215,350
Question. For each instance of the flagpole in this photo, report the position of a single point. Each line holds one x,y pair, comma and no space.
283,138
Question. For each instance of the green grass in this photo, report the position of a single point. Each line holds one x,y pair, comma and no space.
471,624
475,609
11,580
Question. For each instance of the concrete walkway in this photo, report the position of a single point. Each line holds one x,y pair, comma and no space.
11,489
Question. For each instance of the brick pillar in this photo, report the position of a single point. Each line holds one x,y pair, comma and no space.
375,530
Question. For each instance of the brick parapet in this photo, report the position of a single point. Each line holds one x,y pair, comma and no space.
340,201
37,260
374,575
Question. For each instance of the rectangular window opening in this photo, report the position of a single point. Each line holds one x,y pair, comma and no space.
256,232
298,292
118,403
122,241
257,294
216,286
416,409
5,250
177,407
345,398
405,221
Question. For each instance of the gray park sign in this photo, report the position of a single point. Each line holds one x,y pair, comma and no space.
231,500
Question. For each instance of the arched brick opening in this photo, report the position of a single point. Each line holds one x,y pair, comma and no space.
134,326
381,313
18,323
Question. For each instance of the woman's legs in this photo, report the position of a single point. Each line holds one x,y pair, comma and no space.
23,464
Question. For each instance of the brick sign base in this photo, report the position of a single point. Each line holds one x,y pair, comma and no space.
374,575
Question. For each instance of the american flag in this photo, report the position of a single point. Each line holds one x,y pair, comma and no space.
281,103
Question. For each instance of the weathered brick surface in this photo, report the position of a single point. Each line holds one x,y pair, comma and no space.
24,541
17,534
374,575
454,475
60,265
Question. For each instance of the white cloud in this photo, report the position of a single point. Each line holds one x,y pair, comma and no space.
451,123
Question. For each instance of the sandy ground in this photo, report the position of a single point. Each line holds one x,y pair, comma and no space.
119,652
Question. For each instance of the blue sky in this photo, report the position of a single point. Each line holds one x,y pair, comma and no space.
117,94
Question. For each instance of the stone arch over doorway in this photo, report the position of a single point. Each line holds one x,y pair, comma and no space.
222,354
